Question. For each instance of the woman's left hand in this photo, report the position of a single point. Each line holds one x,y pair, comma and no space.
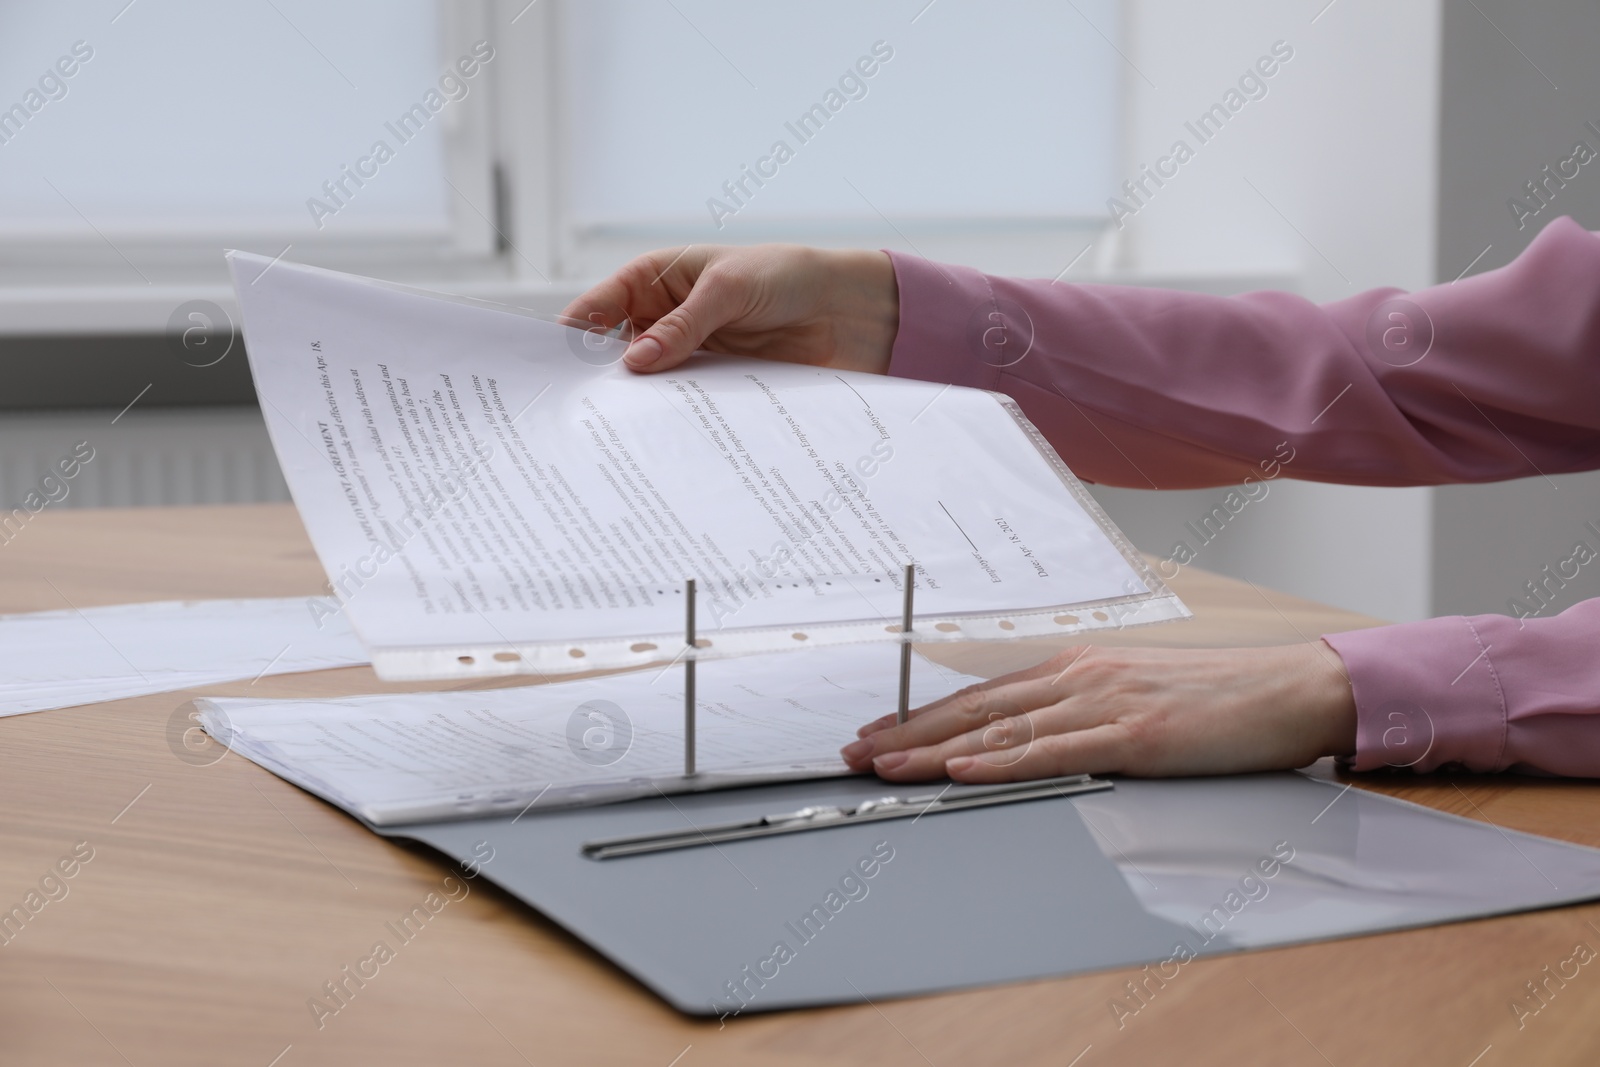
1147,712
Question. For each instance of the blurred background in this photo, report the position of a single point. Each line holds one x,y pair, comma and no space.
519,150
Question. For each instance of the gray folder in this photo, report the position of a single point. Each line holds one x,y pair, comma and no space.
1152,872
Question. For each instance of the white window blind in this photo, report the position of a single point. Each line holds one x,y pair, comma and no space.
170,121
985,134
713,119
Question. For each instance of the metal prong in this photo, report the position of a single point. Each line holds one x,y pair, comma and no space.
905,647
688,679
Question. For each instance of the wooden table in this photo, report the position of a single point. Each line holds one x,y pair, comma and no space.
219,899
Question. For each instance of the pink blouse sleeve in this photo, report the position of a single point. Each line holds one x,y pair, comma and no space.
1493,377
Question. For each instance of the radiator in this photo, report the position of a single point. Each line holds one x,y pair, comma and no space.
138,458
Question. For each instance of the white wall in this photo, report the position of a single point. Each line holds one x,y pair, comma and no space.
1342,156
1501,121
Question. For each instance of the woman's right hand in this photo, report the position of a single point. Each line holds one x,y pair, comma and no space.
821,307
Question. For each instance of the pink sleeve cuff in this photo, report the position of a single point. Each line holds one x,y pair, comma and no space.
1426,693
944,311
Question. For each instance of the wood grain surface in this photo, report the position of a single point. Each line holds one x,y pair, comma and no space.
219,899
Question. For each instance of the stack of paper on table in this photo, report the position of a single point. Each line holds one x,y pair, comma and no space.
57,659
492,493
455,755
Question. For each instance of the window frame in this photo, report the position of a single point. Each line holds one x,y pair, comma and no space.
114,273
514,240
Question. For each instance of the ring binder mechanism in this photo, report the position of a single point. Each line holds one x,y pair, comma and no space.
688,679
951,798
904,708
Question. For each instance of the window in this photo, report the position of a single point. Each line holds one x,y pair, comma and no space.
493,146
139,142
708,120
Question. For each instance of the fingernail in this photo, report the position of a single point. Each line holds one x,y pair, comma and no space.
642,353
889,761
958,765
856,751
873,727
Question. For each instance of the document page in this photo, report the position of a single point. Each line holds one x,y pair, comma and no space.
58,659
493,493
430,756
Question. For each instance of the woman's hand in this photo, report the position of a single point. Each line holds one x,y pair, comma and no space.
826,308
1146,712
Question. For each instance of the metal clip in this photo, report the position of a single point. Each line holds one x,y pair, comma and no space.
822,816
